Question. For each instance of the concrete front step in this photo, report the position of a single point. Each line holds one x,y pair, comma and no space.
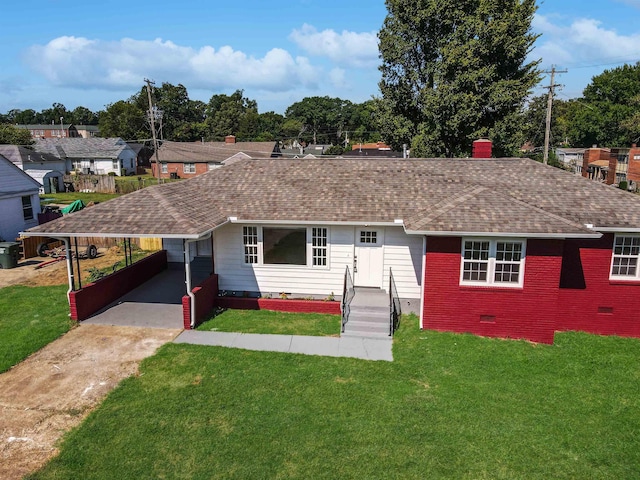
359,334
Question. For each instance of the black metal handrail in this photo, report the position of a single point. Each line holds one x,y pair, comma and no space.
348,292
395,309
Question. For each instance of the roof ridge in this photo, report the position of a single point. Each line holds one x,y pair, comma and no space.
448,204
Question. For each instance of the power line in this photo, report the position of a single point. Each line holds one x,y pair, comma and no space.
547,130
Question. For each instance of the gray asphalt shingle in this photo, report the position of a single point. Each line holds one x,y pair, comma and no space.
509,196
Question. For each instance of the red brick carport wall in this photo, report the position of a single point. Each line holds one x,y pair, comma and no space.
94,296
589,300
520,313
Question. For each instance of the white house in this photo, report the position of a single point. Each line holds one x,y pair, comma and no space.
100,156
19,201
48,170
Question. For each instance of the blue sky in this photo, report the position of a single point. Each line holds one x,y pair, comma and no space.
95,53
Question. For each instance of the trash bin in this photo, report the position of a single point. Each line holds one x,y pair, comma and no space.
9,254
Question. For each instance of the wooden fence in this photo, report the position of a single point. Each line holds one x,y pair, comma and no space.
92,183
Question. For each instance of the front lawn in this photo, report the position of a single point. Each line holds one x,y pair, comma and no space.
450,406
265,321
30,318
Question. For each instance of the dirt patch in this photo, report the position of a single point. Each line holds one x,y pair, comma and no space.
27,273
54,389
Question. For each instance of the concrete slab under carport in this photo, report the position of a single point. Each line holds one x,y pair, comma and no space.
156,303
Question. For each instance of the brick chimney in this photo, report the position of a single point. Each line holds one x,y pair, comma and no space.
230,139
482,148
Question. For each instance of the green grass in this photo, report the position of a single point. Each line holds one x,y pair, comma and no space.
71,197
30,318
265,321
449,406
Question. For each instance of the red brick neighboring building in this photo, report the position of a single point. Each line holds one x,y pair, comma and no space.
612,165
52,131
190,159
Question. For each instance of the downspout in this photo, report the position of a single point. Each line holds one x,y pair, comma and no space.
424,270
187,271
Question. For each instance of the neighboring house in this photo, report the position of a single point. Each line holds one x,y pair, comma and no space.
611,165
48,170
189,159
52,131
497,247
571,158
378,149
143,154
99,156
88,131
19,200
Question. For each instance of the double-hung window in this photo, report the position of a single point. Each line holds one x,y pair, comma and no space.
164,168
27,208
301,246
487,262
189,167
626,256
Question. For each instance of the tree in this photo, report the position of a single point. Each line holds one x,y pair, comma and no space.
456,71
326,119
607,112
226,113
52,115
12,135
124,119
82,116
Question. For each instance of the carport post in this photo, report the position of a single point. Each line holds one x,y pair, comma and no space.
67,247
187,273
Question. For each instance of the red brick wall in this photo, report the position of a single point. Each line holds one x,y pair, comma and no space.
527,313
280,305
634,165
179,169
94,296
589,301
206,294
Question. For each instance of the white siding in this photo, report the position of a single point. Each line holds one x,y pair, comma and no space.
174,248
234,275
14,185
403,254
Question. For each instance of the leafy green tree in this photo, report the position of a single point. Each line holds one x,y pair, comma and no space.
607,113
12,135
52,115
225,114
455,71
124,119
326,119
82,116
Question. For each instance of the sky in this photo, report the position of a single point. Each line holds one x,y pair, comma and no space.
92,54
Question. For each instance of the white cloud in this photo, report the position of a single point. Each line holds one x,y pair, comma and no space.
583,42
81,62
338,78
346,48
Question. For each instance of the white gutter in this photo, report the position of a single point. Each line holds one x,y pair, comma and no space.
617,229
116,235
311,222
187,273
502,234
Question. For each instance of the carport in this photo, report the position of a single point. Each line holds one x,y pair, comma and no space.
157,303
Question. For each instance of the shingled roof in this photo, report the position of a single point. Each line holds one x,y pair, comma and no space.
517,197
81,147
19,155
218,152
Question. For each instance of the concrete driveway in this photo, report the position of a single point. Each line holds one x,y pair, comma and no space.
53,390
154,304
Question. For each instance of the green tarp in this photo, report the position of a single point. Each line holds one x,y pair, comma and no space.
74,207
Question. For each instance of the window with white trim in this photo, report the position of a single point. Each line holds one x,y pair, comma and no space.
626,256
164,168
319,246
189,167
250,241
492,262
368,236
286,246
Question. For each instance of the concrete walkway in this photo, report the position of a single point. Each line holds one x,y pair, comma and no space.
352,347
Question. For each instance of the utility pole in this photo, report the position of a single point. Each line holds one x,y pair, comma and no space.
152,120
547,130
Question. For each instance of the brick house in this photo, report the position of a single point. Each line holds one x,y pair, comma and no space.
612,165
503,247
189,159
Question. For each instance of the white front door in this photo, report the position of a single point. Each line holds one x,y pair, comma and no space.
368,259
